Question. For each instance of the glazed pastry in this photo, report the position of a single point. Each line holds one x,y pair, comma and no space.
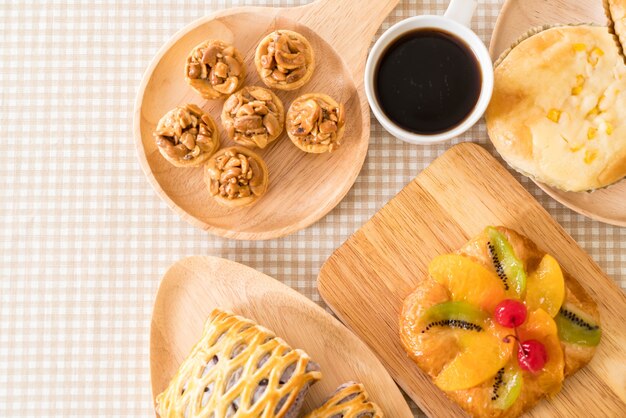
253,117
236,176
616,13
238,369
315,123
285,60
350,400
186,136
566,125
215,69
498,325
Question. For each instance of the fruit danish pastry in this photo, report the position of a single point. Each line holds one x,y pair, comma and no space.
238,369
498,325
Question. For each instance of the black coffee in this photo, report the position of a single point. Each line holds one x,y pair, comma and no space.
428,81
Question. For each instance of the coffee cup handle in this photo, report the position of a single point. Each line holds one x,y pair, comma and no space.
461,11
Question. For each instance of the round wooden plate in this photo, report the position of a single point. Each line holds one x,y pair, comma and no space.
516,17
303,187
194,286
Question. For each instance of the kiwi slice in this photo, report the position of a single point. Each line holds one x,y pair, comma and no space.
507,385
576,326
510,269
459,315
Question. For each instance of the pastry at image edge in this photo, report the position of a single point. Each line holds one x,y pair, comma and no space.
285,60
186,136
236,176
452,325
316,123
215,69
238,365
616,13
349,400
253,117
558,112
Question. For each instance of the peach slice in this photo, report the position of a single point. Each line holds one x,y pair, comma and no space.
482,355
545,287
467,281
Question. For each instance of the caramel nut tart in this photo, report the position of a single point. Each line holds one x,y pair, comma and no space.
566,125
316,123
238,369
215,69
498,325
236,176
285,60
349,400
253,117
186,136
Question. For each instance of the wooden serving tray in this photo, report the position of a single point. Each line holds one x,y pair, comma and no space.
366,280
194,286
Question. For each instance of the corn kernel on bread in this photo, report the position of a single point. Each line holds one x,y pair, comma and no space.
558,112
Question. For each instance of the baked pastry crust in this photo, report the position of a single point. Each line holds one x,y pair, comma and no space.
238,368
575,356
316,123
616,13
236,177
186,136
349,400
285,60
558,111
253,117
215,69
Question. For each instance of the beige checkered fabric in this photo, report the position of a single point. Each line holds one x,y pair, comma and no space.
85,239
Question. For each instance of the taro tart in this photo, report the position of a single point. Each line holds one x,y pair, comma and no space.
285,60
238,369
236,177
186,136
215,69
349,400
316,123
558,112
498,325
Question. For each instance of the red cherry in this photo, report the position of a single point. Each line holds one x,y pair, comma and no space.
532,356
510,313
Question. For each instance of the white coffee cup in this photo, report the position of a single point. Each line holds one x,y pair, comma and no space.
455,21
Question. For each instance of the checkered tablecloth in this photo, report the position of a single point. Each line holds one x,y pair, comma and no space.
84,238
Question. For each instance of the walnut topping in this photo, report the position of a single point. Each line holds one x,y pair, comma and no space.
253,117
316,120
184,133
215,65
284,58
236,173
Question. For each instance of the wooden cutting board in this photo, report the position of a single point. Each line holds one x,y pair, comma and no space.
194,286
367,278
